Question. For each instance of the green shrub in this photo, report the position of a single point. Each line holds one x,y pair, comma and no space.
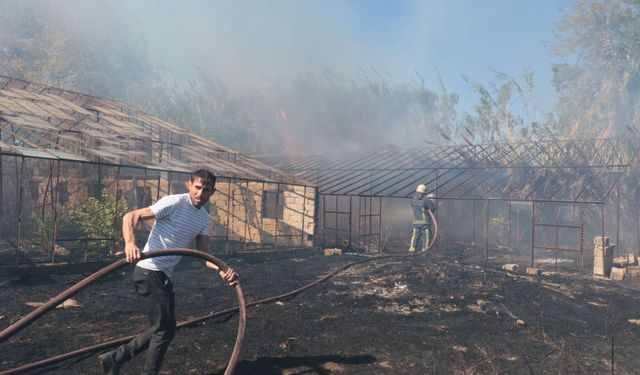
99,218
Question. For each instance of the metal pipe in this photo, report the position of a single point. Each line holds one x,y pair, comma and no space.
54,208
350,221
581,239
21,188
486,234
533,230
304,209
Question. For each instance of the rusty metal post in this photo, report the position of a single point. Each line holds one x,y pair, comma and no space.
370,215
1,195
350,219
232,209
144,189
473,222
437,194
158,188
602,220
245,197
618,216
275,237
557,213
324,220
533,230
518,236
20,192
509,226
581,238
54,204
115,218
229,203
486,233
304,209
380,249
335,228
262,215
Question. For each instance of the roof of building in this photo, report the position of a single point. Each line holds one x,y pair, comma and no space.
46,122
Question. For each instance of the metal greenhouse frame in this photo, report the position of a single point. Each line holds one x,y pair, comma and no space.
59,146
546,179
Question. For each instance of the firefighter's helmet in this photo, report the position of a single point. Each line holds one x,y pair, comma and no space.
422,188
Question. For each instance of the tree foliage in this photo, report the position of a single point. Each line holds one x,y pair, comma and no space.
100,218
600,92
54,43
500,112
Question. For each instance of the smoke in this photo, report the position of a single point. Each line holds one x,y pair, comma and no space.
255,40
296,73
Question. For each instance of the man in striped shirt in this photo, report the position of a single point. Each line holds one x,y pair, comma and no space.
179,218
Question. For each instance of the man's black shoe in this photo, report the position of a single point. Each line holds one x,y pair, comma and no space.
109,365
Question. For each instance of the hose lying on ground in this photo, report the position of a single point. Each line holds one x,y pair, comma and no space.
51,304
241,306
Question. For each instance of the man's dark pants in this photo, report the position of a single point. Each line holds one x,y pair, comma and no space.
156,291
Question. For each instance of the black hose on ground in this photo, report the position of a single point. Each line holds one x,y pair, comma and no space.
241,306
51,304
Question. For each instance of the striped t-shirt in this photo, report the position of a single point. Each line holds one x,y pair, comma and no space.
178,222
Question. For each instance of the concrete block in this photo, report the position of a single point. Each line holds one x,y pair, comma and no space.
331,252
601,241
510,267
533,271
601,271
632,259
602,262
604,252
618,273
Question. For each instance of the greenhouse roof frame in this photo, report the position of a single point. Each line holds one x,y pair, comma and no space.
552,170
39,121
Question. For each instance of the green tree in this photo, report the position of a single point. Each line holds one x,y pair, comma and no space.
499,114
56,43
600,91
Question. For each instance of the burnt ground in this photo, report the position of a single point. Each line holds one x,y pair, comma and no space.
436,314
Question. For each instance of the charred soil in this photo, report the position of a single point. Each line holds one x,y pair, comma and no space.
435,314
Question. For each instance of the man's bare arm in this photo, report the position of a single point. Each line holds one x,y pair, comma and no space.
129,222
202,244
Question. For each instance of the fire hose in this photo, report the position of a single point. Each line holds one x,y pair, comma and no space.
51,304
242,306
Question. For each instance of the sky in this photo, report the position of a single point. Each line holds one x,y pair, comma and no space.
401,40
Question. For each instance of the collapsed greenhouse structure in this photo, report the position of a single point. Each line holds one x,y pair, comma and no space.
60,148
541,201
71,164
537,202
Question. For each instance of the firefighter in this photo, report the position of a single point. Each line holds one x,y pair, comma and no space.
421,204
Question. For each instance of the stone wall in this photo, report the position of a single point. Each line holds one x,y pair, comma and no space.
240,211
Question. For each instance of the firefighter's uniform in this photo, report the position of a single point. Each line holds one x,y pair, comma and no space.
421,219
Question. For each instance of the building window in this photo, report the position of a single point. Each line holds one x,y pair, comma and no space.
272,204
